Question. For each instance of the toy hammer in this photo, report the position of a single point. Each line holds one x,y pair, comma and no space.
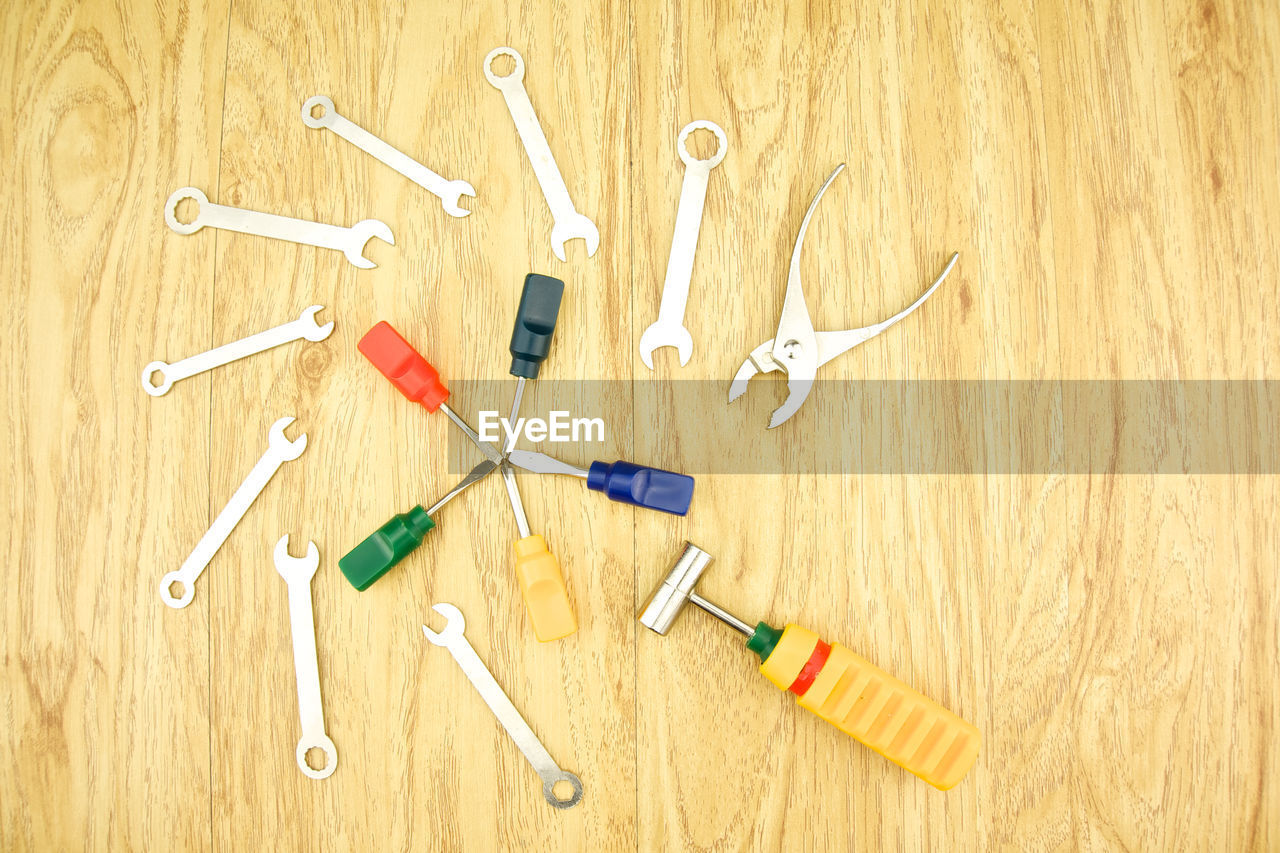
841,687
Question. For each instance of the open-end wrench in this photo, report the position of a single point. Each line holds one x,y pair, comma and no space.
568,222
303,327
447,191
297,573
453,639
349,241
279,450
669,330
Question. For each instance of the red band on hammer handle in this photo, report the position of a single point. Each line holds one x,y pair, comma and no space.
812,667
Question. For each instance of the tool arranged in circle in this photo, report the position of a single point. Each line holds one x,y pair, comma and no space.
668,330
838,685
318,112
455,640
279,451
797,349
303,328
350,241
297,573
567,222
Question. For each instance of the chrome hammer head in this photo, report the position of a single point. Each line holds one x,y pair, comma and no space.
675,590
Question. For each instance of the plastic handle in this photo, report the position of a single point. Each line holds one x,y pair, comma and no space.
401,363
388,545
535,323
862,700
544,591
652,488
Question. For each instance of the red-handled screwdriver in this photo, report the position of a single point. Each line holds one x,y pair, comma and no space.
416,379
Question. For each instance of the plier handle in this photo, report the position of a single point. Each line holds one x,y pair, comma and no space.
797,349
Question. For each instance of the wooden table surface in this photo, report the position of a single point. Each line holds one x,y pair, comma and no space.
1108,172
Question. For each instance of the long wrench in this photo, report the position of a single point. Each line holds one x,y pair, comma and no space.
279,450
297,573
453,639
349,241
449,192
568,223
669,330
303,327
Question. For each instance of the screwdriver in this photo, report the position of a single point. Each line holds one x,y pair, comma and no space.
396,539
416,379
625,482
537,569
531,336
838,685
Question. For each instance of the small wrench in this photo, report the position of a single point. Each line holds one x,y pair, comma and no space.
279,450
568,223
453,639
669,330
303,327
349,241
297,573
449,192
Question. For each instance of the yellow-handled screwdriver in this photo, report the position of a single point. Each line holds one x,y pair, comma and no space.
842,687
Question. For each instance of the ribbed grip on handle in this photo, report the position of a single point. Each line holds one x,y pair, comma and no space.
545,595
862,700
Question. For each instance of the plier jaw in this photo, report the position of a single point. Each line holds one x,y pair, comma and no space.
794,359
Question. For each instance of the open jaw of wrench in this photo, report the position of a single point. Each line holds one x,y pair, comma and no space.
449,192
669,330
279,450
568,222
297,573
303,327
349,241
454,639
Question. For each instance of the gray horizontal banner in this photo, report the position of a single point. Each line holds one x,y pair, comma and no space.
891,427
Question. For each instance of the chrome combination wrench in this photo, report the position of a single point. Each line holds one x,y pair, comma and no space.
568,223
297,573
349,241
303,327
669,330
279,450
453,639
449,192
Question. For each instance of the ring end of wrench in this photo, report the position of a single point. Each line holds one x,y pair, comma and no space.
325,118
325,744
166,594
548,790
171,210
165,382
516,76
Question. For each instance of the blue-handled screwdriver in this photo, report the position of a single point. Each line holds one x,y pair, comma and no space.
624,482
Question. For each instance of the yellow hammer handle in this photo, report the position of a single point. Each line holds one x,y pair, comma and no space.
862,700
545,595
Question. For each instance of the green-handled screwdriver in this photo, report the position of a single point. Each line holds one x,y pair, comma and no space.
398,538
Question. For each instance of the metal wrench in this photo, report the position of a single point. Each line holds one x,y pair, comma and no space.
303,327
297,573
349,241
447,191
669,330
279,450
568,222
453,639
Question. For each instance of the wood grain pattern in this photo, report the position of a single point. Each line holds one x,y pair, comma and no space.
1107,170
